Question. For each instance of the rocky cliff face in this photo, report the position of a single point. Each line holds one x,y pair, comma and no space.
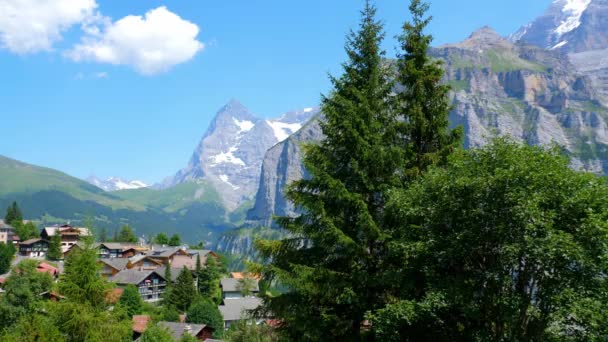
578,28
499,88
230,154
282,164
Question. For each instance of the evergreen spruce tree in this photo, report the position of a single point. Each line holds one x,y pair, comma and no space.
131,300
332,264
55,252
198,270
175,240
103,235
183,292
13,214
209,280
168,275
424,102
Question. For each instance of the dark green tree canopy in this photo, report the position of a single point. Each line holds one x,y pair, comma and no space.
424,102
204,311
332,263
508,243
7,251
131,300
182,292
175,240
13,214
54,252
161,239
126,234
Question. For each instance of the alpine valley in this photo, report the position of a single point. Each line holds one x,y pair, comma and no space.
545,84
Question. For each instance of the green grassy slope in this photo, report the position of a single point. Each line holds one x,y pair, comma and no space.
193,210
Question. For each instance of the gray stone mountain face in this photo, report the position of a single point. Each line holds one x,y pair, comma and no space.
578,28
499,89
282,164
569,26
230,154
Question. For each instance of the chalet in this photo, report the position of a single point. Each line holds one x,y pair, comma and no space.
69,235
166,255
151,284
201,332
119,250
237,309
189,258
145,262
110,267
234,288
6,232
34,248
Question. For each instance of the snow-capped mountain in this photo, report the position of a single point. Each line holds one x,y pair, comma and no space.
116,183
578,28
230,153
569,26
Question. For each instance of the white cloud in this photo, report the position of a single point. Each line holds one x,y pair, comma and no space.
28,26
150,44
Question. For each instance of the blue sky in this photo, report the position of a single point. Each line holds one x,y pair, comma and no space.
87,96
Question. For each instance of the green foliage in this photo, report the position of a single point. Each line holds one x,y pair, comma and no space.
175,240
161,239
25,283
13,214
209,280
332,261
126,234
169,313
249,331
168,276
33,328
182,292
156,333
54,252
424,101
245,286
131,301
82,322
188,338
103,235
82,281
7,252
26,231
204,311
511,239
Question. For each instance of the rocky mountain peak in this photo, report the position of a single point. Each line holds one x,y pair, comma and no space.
569,26
483,38
229,156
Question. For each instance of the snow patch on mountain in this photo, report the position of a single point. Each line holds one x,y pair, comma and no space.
116,183
225,179
283,130
558,45
573,10
244,126
226,158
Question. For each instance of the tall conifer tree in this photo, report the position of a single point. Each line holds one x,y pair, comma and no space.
424,102
332,264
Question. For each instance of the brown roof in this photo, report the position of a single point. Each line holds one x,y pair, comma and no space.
140,323
31,241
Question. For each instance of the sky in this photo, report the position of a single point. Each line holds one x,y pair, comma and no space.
127,88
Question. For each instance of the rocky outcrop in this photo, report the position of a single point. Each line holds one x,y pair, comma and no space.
499,88
282,164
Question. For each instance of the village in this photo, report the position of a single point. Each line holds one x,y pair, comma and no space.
148,267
